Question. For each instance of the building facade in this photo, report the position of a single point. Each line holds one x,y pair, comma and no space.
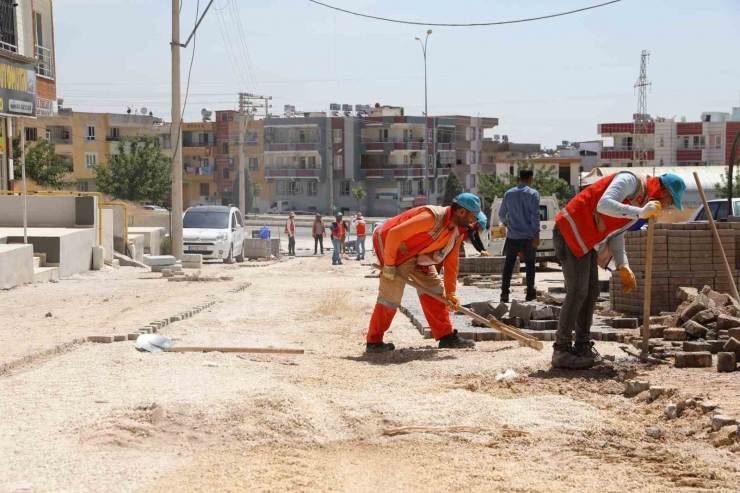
28,72
670,143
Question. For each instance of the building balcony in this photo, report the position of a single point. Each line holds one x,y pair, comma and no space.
688,155
606,129
44,67
445,146
292,146
197,144
283,173
194,171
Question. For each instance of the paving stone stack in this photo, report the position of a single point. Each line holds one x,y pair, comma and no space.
192,261
158,263
484,265
684,255
275,247
257,248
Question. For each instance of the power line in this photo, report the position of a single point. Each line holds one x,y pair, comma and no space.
477,24
187,86
246,47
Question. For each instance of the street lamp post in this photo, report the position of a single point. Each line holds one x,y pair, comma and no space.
426,110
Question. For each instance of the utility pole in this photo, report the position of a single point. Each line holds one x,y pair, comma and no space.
330,170
426,116
176,233
641,117
240,175
23,179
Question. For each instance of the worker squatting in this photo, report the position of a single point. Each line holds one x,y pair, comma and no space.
588,234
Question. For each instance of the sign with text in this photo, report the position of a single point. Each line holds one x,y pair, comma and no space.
44,107
17,89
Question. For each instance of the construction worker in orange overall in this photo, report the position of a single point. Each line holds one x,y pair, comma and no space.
588,232
409,246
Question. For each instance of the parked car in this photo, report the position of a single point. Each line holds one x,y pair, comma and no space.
214,231
718,209
279,207
154,208
549,208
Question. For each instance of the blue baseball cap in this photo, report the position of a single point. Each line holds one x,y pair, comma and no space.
470,202
482,220
676,186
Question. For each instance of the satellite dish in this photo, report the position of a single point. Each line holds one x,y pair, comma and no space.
206,114
60,101
143,110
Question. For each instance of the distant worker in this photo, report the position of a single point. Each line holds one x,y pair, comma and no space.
290,231
474,231
409,246
338,232
520,214
264,232
319,233
588,231
360,227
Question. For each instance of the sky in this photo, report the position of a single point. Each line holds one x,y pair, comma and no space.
546,81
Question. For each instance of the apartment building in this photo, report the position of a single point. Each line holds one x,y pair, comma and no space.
27,71
470,145
499,148
568,167
674,143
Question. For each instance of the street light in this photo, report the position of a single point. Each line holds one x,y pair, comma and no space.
426,109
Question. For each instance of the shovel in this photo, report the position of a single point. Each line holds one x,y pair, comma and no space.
154,343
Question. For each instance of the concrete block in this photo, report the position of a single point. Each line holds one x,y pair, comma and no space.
624,323
705,317
695,329
192,257
734,333
726,322
634,387
132,337
101,339
694,360
732,346
715,347
657,331
543,325
167,273
98,257
726,362
119,338
160,268
151,260
192,265
720,421
654,392
542,313
695,347
521,310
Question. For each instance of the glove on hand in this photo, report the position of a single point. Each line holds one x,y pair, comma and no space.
629,283
454,300
651,209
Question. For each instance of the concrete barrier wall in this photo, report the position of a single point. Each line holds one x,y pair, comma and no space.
108,235
75,252
43,211
119,243
153,238
16,265
153,220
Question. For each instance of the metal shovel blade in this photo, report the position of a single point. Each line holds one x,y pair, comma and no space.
153,343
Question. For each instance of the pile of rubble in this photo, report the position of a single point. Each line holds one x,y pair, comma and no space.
707,323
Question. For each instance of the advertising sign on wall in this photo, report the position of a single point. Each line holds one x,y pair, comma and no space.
17,89
44,107
386,194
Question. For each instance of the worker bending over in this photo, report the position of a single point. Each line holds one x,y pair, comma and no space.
409,246
588,232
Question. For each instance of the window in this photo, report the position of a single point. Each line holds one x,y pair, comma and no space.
337,135
511,170
82,186
224,117
224,147
344,188
90,133
564,173
472,181
293,188
48,134
90,159
420,187
627,143
383,135
302,160
699,142
715,141
338,161
471,157
480,157
225,172
685,143
432,182
39,30
32,134
430,163
205,162
313,188
280,187
471,132
254,163
301,136
543,213
405,159
440,184
205,190
115,133
430,135
166,141
661,141
480,134
312,162
408,187
490,159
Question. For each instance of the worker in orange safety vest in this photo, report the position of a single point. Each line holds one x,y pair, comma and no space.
290,231
360,228
409,246
589,232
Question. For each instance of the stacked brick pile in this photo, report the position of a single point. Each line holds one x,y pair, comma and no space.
484,265
684,255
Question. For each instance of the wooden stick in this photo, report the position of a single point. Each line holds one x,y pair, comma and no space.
405,430
708,213
207,349
523,338
649,359
648,287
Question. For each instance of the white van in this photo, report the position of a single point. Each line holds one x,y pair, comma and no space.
214,231
279,207
549,208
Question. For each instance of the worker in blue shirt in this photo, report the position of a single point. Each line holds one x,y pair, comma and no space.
520,213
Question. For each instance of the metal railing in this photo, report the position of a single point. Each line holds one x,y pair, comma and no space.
44,68
8,47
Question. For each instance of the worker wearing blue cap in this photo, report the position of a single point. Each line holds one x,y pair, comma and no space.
520,213
588,233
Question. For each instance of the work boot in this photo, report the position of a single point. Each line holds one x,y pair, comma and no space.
531,296
379,347
586,349
454,341
504,298
563,357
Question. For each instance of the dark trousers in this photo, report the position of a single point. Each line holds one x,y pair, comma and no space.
318,240
582,291
512,248
291,245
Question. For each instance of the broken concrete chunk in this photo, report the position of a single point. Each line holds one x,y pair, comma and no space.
704,317
521,310
624,323
725,322
724,437
686,294
695,330
726,362
689,311
707,407
656,331
716,347
634,387
542,313
735,332
712,334
732,346
676,334
653,432
673,411
694,360
696,346
720,421
654,392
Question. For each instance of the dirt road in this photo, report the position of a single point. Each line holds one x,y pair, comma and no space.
104,417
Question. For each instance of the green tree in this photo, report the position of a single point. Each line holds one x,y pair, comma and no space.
721,188
546,181
359,194
140,172
43,165
453,188
250,193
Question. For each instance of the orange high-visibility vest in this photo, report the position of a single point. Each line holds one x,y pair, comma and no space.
412,246
339,231
583,227
360,229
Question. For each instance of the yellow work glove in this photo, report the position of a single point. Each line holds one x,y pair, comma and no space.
629,283
454,300
651,209
389,272
485,254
